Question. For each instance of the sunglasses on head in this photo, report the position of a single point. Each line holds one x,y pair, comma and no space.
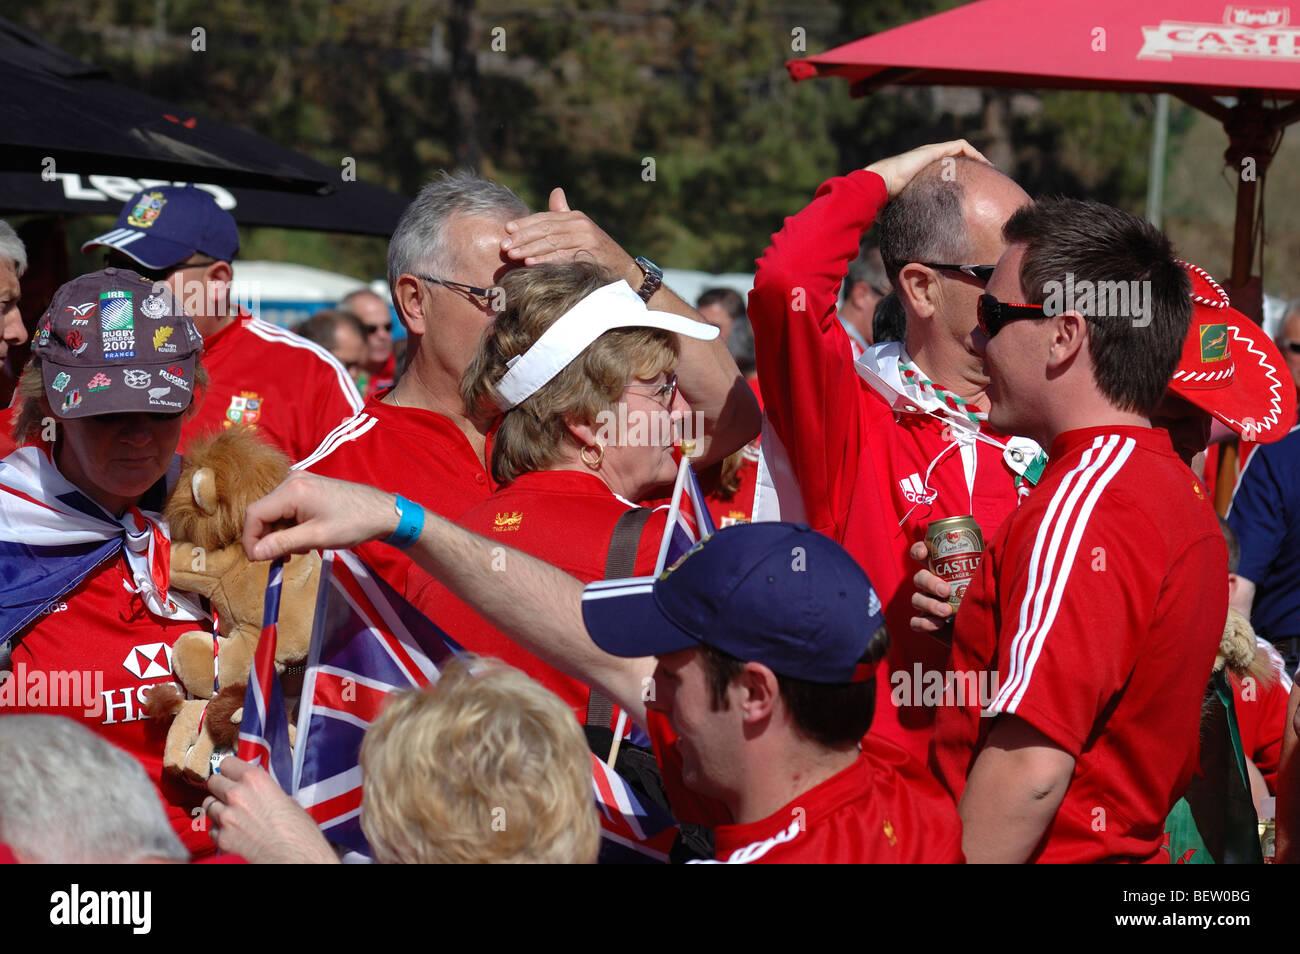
994,315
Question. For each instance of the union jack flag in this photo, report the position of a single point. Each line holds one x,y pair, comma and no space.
264,729
631,831
689,520
367,641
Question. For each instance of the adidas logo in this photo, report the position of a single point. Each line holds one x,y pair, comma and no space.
914,490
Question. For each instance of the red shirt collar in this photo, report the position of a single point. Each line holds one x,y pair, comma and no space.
792,820
1155,438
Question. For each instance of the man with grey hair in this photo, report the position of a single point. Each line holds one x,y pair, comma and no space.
446,259
884,446
69,797
13,263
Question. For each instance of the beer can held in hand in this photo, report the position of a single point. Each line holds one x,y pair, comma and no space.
956,547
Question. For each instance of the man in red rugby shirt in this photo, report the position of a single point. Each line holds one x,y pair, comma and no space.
885,445
445,260
1100,603
757,701
292,391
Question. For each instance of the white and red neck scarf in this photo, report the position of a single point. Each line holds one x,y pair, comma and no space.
52,536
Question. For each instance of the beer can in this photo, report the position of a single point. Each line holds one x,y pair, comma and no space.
956,547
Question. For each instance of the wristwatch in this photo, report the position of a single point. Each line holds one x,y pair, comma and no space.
654,278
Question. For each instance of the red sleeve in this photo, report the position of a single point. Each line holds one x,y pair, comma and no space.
1261,716
1070,603
334,399
805,366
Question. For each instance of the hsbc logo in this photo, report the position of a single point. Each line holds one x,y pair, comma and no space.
149,661
914,490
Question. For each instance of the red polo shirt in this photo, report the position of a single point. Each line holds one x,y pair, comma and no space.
885,808
292,391
859,464
101,638
419,454
1261,714
563,517
1095,616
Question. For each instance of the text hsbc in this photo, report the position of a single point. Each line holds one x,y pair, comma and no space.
125,705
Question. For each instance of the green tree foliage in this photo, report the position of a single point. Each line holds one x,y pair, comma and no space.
588,95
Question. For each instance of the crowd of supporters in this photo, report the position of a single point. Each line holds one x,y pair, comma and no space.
1110,681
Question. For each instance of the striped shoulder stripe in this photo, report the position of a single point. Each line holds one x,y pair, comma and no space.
269,332
349,430
1024,624
1049,577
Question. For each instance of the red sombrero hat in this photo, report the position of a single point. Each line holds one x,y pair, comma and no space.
1231,369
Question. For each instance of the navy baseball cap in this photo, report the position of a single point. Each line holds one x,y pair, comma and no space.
163,226
775,593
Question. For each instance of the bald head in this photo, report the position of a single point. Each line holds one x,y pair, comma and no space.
378,321
951,213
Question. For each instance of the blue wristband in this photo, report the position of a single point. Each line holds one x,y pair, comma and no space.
410,524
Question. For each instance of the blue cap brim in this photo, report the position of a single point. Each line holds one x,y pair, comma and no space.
624,619
148,250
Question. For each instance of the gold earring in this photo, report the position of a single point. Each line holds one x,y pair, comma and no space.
600,455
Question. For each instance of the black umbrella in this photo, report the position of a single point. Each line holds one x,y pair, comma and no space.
73,141
353,207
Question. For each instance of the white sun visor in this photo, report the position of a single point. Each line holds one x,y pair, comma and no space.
613,306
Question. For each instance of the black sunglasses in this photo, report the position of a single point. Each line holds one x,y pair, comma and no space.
1292,346
117,260
474,290
371,329
981,273
994,315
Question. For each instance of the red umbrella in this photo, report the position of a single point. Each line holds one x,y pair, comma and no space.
1194,49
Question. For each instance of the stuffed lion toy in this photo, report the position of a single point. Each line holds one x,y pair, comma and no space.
220,477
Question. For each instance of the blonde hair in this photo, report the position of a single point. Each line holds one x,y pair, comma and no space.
483,767
35,409
531,435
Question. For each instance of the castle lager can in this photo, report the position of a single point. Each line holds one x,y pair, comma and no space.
956,547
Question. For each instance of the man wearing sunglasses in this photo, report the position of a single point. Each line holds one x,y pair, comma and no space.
1099,604
883,446
291,391
446,259
380,367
